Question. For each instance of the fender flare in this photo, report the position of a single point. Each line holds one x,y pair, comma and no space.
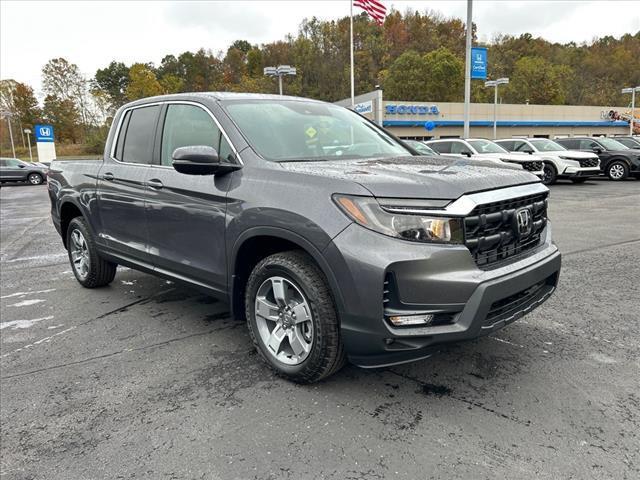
292,237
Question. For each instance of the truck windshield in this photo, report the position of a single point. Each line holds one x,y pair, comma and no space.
294,130
546,145
485,146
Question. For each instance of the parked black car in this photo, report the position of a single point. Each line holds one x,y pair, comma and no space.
616,160
15,170
629,142
324,232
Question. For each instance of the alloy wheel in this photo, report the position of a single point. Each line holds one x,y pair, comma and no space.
616,171
79,254
35,179
284,320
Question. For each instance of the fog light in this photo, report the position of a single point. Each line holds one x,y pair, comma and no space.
408,320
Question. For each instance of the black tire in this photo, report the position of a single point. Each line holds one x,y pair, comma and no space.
549,174
326,355
617,170
100,272
579,180
35,178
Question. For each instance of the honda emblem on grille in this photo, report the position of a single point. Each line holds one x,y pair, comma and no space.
524,223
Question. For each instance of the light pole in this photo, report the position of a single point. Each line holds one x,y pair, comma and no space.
494,84
280,71
632,91
467,74
28,132
7,116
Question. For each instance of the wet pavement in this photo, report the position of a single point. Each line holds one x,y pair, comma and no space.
149,379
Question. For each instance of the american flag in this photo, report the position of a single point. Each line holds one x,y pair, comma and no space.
374,8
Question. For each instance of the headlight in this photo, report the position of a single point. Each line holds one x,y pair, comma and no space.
367,212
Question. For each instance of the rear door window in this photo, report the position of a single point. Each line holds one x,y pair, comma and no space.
441,147
459,148
139,136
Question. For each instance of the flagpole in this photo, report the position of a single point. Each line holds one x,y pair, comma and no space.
351,30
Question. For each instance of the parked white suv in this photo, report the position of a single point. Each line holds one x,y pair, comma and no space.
558,161
483,149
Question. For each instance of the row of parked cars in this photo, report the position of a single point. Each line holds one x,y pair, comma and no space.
575,158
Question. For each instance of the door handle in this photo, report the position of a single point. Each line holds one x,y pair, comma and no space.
155,183
109,176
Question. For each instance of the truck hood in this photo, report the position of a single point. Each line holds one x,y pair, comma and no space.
418,176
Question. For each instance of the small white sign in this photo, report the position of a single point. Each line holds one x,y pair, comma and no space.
365,107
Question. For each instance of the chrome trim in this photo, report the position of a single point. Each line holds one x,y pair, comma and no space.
168,102
465,204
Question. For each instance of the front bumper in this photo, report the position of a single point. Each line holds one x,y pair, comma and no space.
438,279
574,172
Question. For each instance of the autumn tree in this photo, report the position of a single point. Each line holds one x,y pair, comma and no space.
64,115
113,81
536,80
142,82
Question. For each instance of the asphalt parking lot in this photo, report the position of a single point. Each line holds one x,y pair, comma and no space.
148,379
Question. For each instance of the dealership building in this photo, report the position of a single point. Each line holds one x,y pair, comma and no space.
429,120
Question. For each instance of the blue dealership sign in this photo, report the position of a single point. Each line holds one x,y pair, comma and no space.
479,63
43,133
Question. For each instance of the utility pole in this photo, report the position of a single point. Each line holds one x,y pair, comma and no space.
7,116
467,73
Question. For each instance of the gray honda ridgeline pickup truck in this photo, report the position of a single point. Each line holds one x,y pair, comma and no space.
331,237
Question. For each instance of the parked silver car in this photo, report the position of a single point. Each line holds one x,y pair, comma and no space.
15,170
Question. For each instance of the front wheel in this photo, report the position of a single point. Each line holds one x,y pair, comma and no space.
292,318
549,174
617,170
35,178
89,268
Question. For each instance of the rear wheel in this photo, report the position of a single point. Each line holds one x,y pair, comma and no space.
549,174
35,178
90,269
617,170
292,318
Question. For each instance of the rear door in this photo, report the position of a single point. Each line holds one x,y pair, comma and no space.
122,187
186,213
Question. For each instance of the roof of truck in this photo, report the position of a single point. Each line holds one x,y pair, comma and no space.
223,96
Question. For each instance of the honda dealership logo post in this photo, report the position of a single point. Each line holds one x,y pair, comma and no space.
524,222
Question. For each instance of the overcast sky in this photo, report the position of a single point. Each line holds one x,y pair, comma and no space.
92,34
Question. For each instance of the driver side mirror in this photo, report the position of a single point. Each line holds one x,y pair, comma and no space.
20,165
530,152
466,153
199,160
597,150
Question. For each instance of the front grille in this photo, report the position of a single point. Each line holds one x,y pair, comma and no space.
588,162
491,230
532,166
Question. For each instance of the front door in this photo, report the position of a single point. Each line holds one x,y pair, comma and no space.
186,213
122,185
11,169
